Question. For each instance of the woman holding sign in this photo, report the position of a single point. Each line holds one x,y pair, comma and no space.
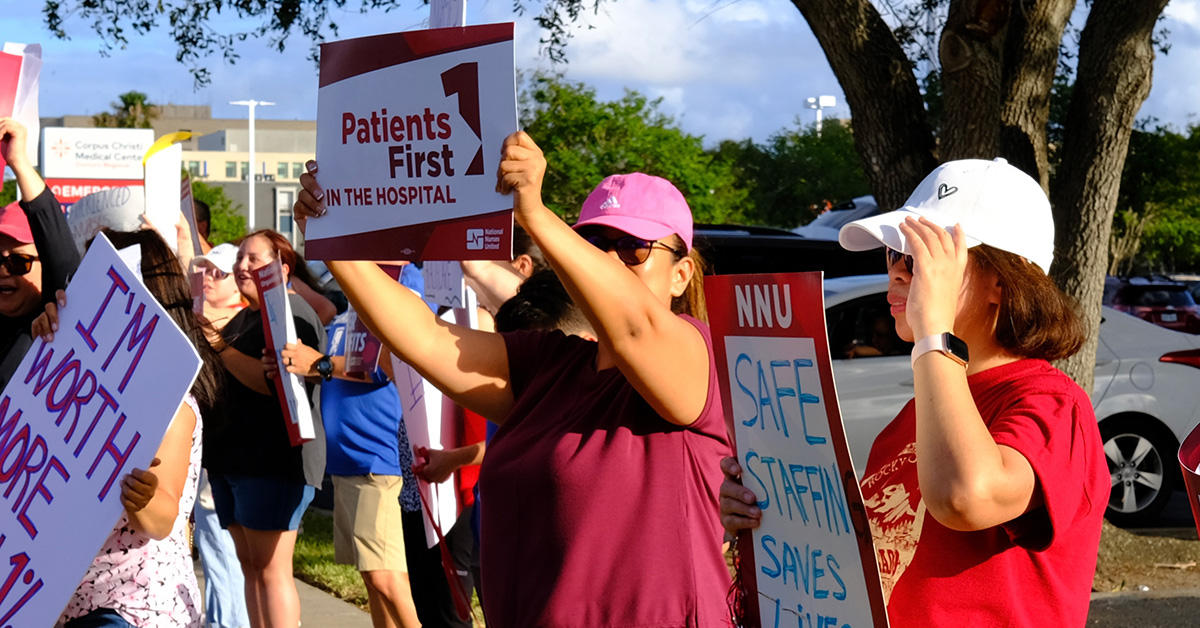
986,494
261,483
601,483
143,575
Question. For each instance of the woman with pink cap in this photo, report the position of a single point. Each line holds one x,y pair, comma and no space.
602,480
986,493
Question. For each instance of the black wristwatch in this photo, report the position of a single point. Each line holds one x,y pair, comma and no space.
324,368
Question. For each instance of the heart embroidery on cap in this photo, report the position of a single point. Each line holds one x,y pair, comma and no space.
946,190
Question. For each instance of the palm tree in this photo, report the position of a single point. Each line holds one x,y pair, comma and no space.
134,111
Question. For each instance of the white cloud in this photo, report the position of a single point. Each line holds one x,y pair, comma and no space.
1184,11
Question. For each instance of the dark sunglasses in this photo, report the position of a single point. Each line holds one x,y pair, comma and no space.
18,264
630,250
894,256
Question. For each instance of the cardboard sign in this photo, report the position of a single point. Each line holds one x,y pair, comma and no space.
1189,461
279,329
120,209
812,560
80,413
409,129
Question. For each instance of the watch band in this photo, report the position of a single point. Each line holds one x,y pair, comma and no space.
946,342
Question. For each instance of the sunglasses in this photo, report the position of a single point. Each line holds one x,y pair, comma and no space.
213,272
630,250
18,264
894,256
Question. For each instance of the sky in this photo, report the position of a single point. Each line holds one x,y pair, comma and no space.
725,69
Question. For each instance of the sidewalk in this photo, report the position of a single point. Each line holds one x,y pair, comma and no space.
318,609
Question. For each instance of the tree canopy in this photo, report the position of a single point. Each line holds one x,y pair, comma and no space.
132,110
585,140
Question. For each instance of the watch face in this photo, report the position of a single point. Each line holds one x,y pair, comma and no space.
958,347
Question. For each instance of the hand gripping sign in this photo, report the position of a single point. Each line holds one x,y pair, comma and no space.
812,561
279,329
80,413
409,130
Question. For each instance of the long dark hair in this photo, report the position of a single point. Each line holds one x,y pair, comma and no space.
164,277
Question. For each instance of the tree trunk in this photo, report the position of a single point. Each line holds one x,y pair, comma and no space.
1030,60
971,52
891,131
1116,58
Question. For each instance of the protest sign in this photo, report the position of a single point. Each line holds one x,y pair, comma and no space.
279,329
120,209
187,205
163,162
80,413
444,284
362,347
409,130
25,103
812,561
1189,461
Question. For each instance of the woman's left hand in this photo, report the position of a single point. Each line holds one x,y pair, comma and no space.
939,264
522,168
138,488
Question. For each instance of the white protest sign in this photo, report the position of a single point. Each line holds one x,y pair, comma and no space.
812,560
80,413
119,209
426,421
444,284
163,163
25,106
279,329
409,130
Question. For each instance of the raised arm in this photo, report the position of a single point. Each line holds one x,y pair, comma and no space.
662,355
469,366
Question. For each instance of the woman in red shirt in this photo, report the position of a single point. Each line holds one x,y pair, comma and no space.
986,494
601,483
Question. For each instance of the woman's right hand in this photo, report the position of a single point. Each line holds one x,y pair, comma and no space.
522,169
310,202
46,324
739,508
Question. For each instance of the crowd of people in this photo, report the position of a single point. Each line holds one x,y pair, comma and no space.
607,484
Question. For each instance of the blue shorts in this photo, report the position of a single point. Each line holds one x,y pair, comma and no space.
259,503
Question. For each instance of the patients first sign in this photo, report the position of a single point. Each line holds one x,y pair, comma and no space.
409,130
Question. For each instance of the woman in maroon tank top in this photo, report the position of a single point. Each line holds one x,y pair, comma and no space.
601,483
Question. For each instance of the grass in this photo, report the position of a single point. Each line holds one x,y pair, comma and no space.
313,563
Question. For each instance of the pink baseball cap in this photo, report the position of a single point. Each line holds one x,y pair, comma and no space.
641,205
14,224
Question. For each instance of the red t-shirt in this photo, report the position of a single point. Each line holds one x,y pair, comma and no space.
1035,570
600,513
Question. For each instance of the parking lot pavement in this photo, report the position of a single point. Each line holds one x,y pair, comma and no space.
1153,609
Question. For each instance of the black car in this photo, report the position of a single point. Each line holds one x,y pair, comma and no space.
738,250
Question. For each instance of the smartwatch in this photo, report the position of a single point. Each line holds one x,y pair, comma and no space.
324,367
947,343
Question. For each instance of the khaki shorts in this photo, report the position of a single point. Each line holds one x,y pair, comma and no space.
367,532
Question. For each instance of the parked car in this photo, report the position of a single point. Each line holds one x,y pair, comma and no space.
1146,393
739,250
1160,301
827,224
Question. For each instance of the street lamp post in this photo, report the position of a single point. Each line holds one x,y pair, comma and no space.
253,165
819,103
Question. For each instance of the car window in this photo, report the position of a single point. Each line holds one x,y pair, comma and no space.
864,328
1156,296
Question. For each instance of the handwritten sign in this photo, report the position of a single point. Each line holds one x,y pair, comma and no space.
280,329
80,413
409,129
811,562
444,284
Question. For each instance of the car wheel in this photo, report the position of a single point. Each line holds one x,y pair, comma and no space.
1141,455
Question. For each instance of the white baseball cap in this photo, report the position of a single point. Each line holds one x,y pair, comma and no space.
995,203
222,256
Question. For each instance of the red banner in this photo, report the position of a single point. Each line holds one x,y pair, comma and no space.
69,191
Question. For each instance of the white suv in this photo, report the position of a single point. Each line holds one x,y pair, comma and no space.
1146,395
